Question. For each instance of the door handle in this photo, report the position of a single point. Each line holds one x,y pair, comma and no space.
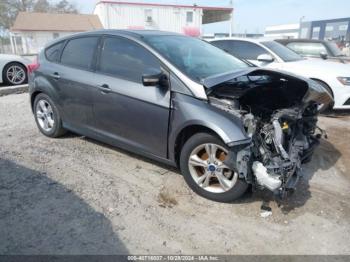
104,88
56,75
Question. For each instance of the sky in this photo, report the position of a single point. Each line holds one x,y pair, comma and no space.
252,16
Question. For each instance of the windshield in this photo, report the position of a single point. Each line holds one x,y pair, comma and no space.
194,57
283,52
334,49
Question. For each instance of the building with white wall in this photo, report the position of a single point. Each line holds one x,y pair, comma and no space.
186,19
282,31
332,29
32,31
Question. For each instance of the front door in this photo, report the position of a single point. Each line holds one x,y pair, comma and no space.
124,109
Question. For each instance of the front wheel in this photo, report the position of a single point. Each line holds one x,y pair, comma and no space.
202,165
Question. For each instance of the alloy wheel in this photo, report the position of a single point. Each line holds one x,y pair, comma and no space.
44,115
207,168
16,74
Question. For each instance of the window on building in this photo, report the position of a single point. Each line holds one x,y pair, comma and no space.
148,15
336,31
55,35
79,52
308,49
241,49
316,32
304,32
343,27
53,52
189,17
125,59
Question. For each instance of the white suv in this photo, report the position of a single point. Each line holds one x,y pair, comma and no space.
335,77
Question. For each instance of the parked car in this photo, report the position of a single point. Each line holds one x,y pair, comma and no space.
316,49
13,69
335,77
181,101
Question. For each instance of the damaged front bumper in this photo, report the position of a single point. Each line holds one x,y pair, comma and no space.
279,178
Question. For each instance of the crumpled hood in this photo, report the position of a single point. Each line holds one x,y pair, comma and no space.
314,93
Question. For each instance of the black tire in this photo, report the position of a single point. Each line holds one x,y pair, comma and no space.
330,107
196,140
8,81
57,130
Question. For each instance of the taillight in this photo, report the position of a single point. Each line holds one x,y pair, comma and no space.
34,66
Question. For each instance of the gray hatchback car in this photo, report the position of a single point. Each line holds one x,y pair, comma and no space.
180,101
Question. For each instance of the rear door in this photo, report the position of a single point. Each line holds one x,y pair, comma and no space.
73,78
126,110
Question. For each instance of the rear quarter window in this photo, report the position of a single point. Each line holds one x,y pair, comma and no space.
53,52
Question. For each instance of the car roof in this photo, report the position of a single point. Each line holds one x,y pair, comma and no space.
137,33
131,33
302,40
252,40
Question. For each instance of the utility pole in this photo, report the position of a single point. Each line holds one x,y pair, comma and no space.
300,25
231,20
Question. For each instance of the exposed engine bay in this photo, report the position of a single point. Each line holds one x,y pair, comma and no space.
279,114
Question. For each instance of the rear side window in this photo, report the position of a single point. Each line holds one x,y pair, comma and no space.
241,49
79,52
52,53
125,59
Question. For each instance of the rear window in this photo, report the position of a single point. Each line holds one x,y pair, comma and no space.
52,53
79,52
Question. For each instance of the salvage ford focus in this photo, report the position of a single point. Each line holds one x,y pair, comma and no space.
183,102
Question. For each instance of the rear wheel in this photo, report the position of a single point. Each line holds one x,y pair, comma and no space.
47,116
15,74
202,164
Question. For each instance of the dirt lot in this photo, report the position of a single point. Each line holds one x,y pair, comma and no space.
77,196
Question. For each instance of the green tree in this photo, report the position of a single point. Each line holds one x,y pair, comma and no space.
42,6
64,6
9,9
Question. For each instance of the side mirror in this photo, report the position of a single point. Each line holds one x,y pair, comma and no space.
324,55
154,78
266,58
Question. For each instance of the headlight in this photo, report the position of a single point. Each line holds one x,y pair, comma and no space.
344,80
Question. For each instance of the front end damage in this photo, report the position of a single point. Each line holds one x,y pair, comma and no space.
279,114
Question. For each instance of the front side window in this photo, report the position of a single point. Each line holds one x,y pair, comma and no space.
195,58
286,54
79,52
308,49
125,59
334,49
241,49
52,53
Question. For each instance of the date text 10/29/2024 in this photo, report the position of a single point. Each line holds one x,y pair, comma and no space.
173,258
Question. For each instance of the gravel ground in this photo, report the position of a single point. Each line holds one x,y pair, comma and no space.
76,196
